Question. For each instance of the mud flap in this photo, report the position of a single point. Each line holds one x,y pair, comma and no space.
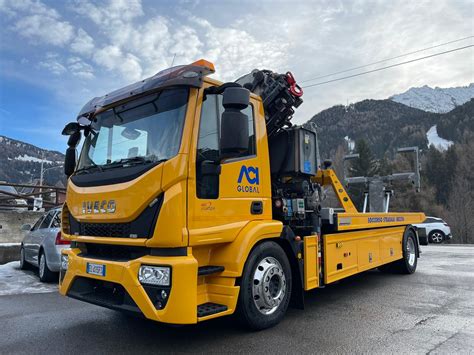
422,236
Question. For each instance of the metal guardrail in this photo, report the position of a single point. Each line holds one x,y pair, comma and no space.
44,191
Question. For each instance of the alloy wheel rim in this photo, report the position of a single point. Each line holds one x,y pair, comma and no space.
268,285
411,252
437,237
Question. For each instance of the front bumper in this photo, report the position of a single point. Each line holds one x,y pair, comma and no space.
120,288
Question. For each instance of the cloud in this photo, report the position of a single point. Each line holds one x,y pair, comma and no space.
47,29
79,68
112,58
136,46
237,52
53,64
82,43
109,13
38,22
75,66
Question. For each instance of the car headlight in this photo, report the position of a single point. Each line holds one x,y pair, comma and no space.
154,275
64,261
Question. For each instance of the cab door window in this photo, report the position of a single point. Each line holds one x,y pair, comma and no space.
207,161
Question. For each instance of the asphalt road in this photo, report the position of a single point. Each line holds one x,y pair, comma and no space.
431,311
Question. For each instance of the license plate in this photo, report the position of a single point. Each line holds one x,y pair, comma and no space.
95,269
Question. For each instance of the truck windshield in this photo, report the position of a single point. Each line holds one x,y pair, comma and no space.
145,130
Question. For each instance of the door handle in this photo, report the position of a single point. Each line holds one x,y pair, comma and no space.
256,207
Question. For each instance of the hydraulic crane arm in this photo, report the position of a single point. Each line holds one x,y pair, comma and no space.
280,95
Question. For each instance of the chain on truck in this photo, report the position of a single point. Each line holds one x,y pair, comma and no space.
194,199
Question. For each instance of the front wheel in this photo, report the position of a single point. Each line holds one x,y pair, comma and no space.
265,289
436,237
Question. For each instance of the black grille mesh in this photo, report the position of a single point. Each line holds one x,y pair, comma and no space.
112,252
115,230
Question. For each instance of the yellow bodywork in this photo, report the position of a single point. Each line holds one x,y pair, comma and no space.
220,231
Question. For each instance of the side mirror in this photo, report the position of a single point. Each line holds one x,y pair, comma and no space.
234,124
74,139
26,227
70,161
71,128
70,158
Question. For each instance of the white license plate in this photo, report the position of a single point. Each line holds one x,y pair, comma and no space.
95,269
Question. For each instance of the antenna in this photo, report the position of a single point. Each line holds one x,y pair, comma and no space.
172,62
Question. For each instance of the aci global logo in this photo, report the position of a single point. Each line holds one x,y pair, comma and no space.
250,173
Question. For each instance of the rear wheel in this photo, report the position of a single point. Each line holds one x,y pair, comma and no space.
23,263
436,237
265,287
45,274
409,262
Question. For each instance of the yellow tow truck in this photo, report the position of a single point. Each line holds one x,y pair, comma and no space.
194,199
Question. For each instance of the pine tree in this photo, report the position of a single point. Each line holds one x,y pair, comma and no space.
366,165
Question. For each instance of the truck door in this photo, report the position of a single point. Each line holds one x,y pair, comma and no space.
225,195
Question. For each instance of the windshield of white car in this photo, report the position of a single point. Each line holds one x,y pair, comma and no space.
142,131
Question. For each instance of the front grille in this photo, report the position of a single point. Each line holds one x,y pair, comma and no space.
115,230
142,227
112,252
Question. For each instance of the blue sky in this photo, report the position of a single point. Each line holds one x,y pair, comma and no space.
56,55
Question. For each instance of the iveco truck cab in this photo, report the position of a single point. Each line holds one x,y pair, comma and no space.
192,199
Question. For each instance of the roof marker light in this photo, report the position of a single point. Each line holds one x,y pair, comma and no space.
205,63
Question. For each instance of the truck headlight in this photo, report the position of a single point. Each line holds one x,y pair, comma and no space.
154,275
64,261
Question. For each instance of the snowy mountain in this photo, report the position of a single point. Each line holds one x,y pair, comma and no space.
438,100
21,163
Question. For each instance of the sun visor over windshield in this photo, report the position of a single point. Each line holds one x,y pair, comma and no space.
184,75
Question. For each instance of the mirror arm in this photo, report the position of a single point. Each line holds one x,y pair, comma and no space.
217,90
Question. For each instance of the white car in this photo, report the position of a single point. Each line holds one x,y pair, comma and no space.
437,230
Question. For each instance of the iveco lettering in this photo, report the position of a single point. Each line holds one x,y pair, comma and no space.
103,206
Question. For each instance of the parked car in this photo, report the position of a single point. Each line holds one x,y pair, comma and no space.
42,244
437,230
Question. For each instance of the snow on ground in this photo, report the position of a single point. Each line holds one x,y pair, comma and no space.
350,143
433,139
26,157
14,281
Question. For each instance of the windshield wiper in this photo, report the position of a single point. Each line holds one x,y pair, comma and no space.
131,161
88,168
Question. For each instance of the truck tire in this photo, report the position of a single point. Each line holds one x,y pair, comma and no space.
407,264
265,288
